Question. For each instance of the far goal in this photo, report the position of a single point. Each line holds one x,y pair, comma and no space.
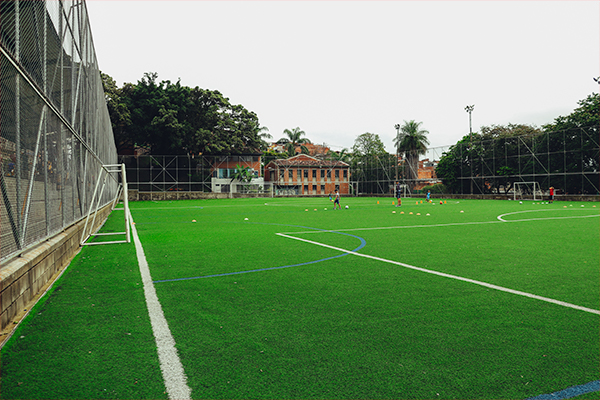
527,191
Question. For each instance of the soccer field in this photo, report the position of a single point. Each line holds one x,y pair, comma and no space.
288,299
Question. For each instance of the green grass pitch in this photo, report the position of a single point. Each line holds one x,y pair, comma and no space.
259,315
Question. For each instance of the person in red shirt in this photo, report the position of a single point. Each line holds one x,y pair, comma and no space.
551,194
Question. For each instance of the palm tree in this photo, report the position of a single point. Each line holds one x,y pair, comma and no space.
412,141
263,133
242,174
341,155
295,139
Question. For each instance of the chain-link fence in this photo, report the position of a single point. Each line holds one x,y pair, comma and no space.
222,174
566,160
54,123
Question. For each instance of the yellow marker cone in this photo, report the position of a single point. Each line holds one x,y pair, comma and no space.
377,201
444,201
393,203
421,201
418,213
410,213
417,203
401,212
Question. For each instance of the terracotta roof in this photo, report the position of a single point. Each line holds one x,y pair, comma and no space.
302,160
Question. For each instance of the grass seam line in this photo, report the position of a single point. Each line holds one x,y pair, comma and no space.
170,364
442,274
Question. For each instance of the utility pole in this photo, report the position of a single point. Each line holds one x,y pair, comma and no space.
469,109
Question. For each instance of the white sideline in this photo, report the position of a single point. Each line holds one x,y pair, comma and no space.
488,285
170,365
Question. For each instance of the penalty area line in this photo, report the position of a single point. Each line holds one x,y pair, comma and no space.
459,278
170,364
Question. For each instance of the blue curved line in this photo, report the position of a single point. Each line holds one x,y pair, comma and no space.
571,392
363,243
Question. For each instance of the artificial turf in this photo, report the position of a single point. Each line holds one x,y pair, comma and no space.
345,327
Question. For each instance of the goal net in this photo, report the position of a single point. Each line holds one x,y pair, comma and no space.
527,191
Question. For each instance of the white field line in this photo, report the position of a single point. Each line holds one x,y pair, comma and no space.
500,217
499,220
170,365
378,228
488,285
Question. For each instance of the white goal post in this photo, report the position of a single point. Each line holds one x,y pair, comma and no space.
405,190
105,170
529,189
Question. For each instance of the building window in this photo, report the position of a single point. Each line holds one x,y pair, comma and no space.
225,173
314,173
337,174
345,174
329,173
306,173
281,174
322,173
322,189
305,189
291,174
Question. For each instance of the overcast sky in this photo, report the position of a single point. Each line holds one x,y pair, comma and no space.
338,69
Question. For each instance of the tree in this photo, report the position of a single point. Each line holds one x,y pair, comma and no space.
412,141
119,113
371,165
174,119
342,155
295,139
496,157
575,136
584,116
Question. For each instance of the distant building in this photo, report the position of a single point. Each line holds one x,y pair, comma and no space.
426,174
223,169
314,150
307,175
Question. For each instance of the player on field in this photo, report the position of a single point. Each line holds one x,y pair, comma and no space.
398,194
337,200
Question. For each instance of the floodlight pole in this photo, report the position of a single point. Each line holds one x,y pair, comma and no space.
397,126
469,109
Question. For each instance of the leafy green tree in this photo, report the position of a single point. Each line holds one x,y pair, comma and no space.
450,167
412,141
371,165
174,119
575,138
119,113
295,139
584,116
